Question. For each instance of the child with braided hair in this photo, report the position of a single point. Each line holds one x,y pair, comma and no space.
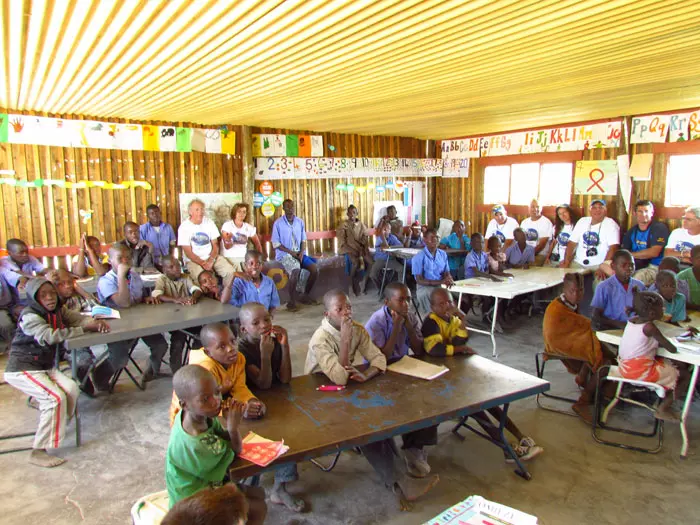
637,357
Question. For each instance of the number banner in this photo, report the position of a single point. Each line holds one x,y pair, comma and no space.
276,168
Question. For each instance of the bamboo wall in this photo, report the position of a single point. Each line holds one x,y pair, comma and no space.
318,202
50,216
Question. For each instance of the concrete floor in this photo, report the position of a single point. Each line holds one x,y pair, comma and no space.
574,481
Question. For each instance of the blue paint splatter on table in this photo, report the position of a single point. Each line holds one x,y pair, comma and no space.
370,400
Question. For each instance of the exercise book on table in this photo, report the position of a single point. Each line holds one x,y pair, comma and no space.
417,368
103,312
476,510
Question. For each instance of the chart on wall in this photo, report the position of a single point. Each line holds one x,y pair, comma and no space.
280,168
217,206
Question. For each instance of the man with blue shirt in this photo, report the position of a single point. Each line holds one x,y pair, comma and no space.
456,243
613,298
251,286
289,242
430,269
158,233
121,288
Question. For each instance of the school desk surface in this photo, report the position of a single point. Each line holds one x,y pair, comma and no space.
314,423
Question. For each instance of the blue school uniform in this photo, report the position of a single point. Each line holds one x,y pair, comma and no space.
379,254
246,292
108,285
431,267
453,241
476,261
611,297
515,256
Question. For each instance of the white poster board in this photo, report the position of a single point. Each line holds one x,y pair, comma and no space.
380,210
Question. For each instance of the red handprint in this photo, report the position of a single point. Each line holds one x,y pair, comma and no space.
17,125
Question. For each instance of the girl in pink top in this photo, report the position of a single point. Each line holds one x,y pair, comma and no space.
497,259
637,357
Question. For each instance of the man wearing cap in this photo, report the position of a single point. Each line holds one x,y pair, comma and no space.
501,225
682,240
593,240
538,232
646,240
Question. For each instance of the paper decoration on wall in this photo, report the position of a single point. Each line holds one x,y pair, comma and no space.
389,185
399,186
641,166
350,187
276,198
266,188
268,209
129,136
39,183
228,141
380,189
595,177
341,187
256,145
86,215
361,189
184,139
304,146
455,168
331,147
316,145
3,127
276,168
199,139
292,146
151,138
212,141
167,138
273,145
258,199
623,169
651,128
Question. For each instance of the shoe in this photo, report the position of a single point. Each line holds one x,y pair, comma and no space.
416,462
101,375
146,376
525,450
412,489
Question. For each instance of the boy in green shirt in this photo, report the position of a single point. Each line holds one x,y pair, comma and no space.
692,277
200,449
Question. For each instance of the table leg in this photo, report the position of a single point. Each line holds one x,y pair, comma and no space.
686,409
403,277
386,265
459,301
74,365
493,326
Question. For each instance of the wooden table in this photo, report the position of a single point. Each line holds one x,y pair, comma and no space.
314,423
688,352
523,281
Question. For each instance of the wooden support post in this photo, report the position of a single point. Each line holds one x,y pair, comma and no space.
248,169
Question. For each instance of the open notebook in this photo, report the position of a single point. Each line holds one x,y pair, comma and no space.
417,368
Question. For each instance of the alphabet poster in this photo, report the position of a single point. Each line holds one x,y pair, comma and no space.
595,177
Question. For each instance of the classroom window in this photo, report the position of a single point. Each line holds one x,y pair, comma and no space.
518,184
682,180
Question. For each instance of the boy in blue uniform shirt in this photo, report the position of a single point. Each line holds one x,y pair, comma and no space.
430,269
457,240
613,298
520,254
385,239
251,286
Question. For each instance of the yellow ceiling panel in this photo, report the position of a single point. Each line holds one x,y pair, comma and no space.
423,68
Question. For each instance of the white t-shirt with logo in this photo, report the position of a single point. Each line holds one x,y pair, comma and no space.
503,231
198,236
240,238
563,241
536,230
599,236
680,240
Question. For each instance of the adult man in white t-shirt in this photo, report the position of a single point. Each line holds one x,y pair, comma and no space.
501,226
682,240
538,231
593,241
198,236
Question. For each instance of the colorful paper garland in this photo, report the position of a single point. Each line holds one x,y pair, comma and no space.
38,183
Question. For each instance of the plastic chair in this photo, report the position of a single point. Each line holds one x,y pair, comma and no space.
600,420
151,509
541,359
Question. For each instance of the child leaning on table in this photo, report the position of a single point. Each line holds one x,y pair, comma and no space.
204,441
173,287
268,363
31,367
445,334
637,357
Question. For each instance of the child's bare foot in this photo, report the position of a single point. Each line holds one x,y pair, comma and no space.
584,411
41,458
280,496
411,489
667,414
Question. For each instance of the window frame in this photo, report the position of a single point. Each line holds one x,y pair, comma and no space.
540,163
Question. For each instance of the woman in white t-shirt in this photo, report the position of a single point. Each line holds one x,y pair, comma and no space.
235,235
564,223
501,226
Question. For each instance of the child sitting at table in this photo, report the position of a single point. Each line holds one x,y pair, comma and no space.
17,267
477,264
674,265
612,300
430,269
457,240
204,441
445,334
497,257
251,285
268,363
520,254
209,285
122,288
173,287
220,356
225,505
90,260
385,239
674,301
637,354
77,300
332,351
31,367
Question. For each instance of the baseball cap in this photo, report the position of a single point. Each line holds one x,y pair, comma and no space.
499,208
598,201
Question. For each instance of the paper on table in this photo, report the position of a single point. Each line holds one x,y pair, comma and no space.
150,276
260,450
417,368
104,312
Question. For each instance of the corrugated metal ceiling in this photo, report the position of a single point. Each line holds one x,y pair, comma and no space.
430,68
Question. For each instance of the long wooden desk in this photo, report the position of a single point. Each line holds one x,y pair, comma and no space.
314,423
688,352
523,281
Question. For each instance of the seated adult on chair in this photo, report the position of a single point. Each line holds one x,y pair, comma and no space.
385,239
289,242
568,333
353,242
539,232
501,225
612,300
332,351
31,368
199,238
121,288
430,269
141,251
682,239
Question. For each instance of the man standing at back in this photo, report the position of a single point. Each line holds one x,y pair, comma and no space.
289,242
